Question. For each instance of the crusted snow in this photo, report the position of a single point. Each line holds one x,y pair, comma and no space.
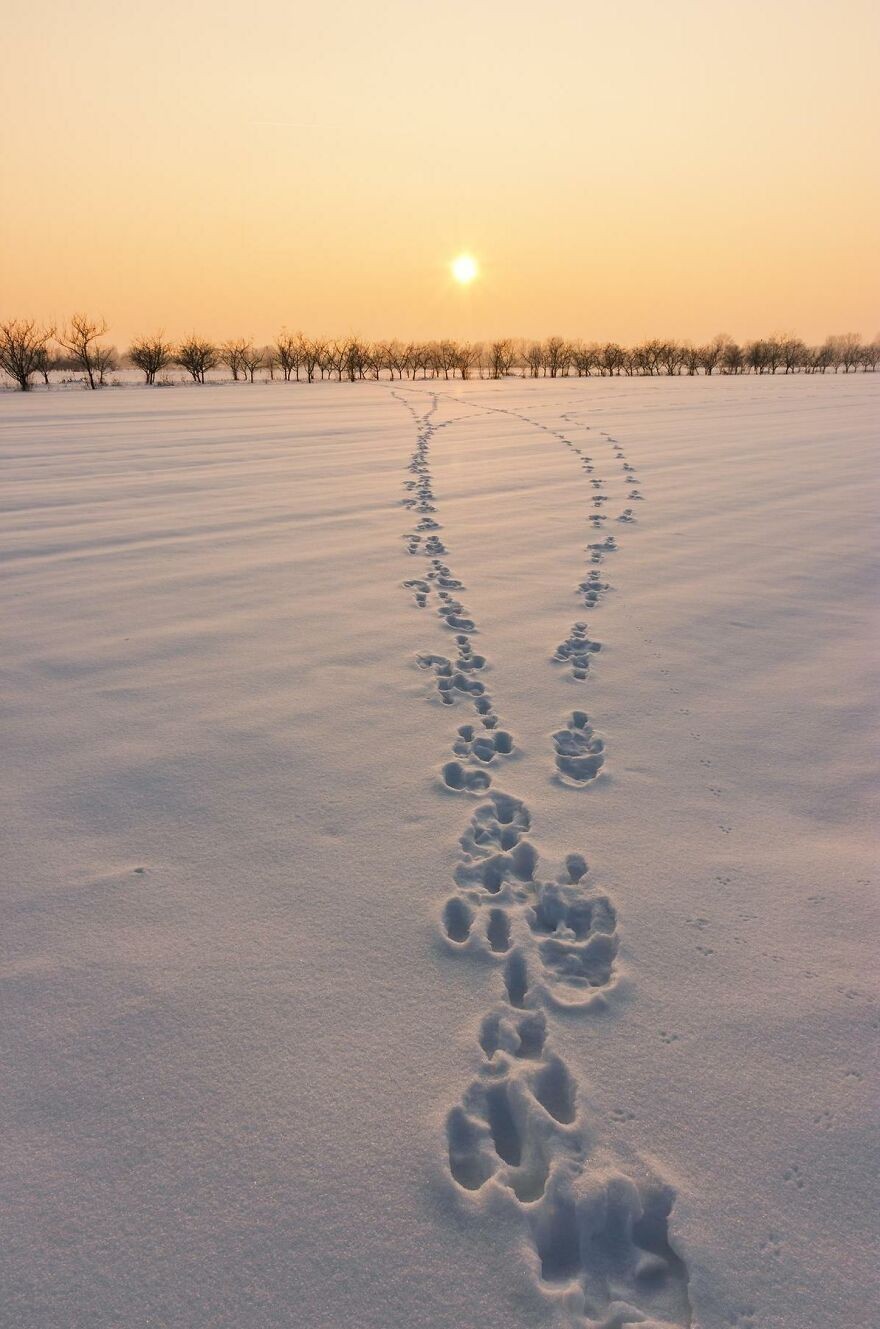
439,881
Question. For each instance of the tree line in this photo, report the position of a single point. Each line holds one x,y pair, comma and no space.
30,351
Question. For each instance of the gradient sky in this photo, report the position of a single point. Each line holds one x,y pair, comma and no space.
619,171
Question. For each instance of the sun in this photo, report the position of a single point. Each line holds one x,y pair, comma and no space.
464,269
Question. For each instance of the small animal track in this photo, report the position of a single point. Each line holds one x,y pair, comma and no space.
793,1176
771,1245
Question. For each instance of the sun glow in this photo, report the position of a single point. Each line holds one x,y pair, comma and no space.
464,269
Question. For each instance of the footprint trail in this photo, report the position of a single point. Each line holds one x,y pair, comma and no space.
437,586
594,1224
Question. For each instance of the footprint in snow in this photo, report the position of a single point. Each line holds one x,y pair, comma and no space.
578,649
580,755
600,1234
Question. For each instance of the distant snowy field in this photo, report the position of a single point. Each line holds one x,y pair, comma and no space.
364,965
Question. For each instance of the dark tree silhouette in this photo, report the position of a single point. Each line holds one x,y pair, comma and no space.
501,358
24,351
847,350
288,350
197,356
251,360
231,353
556,356
151,355
80,339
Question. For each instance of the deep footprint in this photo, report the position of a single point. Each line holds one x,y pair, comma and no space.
580,755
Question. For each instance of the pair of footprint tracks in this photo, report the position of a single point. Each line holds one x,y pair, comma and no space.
578,647
594,1234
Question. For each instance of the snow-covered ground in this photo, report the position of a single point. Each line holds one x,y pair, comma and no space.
312,1015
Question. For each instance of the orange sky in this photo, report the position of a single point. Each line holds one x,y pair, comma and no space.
618,170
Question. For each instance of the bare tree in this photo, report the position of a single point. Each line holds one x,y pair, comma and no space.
232,355
410,360
288,351
821,358
251,360
432,355
732,358
356,358
333,358
151,355
106,360
774,352
847,350
501,357
400,357
376,358
419,359
346,361
870,357
756,356
711,355
466,356
556,356
690,358
80,338
671,357
197,356
584,358
534,358
793,352
23,351
648,356
443,357
609,358
46,362
312,353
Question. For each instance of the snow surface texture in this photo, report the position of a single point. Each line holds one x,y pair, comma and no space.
469,928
